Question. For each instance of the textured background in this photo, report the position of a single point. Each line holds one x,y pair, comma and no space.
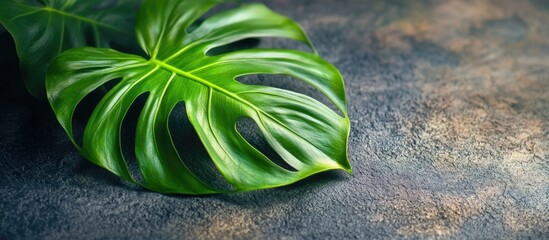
449,104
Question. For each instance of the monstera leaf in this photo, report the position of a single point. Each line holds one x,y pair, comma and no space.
308,135
43,29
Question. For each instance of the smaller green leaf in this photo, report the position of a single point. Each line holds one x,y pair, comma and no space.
43,29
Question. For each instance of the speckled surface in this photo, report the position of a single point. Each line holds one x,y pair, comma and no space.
449,104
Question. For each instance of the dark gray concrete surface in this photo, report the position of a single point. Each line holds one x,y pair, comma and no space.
449,104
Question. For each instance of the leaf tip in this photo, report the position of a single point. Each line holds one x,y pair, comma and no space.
347,166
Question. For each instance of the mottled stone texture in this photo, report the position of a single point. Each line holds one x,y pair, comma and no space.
449,104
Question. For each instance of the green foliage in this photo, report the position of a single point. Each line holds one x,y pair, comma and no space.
43,29
309,136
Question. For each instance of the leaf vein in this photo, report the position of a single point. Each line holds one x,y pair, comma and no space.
25,14
104,116
66,14
209,109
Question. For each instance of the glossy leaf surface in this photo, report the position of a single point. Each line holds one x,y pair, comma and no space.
43,29
308,135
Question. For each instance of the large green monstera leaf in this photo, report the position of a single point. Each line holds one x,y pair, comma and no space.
43,29
308,135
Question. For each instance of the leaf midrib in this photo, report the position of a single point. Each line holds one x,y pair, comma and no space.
202,81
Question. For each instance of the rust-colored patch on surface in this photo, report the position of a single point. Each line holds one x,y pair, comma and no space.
237,225
526,219
452,23
424,213
485,119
